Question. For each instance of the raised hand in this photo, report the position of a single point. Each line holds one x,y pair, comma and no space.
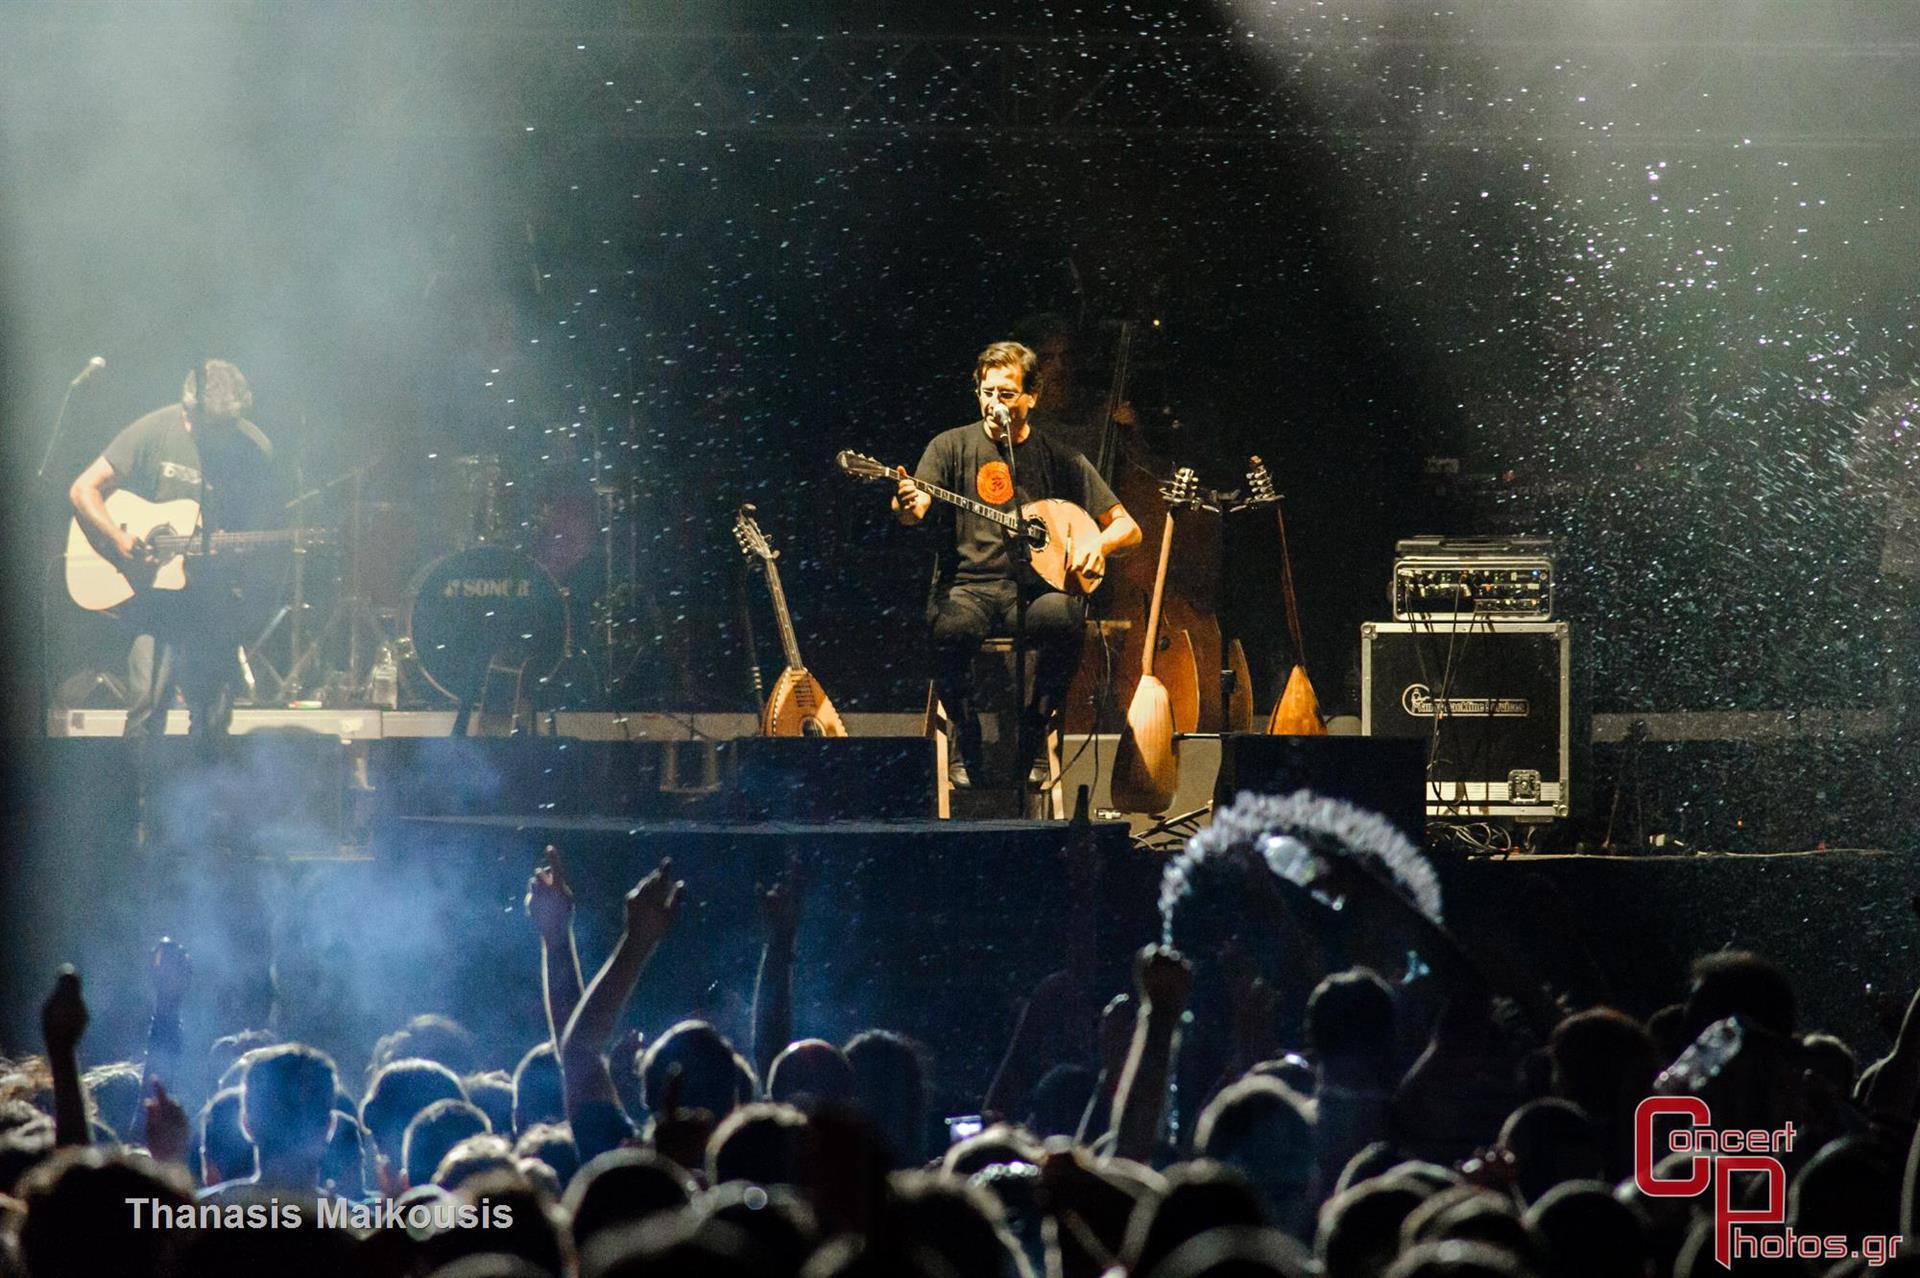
549,900
1116,1034
780,904
63,1017
170,971
653,902
169,1131
1163,978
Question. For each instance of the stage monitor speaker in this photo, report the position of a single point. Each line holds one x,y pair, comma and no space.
828,778
1378,773
1488,702
1199,760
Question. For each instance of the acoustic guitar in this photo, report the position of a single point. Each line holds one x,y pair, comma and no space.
171,529
1146,773
799,705
1054,528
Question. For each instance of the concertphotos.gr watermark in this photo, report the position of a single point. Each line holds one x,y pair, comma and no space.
1716,1156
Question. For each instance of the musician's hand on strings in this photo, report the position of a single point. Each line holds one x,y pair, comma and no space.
134,551
1084,560
908,500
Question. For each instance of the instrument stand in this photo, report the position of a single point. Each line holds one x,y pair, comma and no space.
1172,824
1627,782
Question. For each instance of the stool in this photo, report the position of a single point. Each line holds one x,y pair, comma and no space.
940,728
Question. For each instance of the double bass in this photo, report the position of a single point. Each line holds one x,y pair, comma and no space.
1188,653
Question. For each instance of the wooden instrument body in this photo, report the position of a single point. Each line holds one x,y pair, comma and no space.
1240,704
1187,659
1069,529
97,582
798,707
1146,772
1064,527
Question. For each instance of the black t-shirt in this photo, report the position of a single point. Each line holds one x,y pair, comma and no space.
228,470
966,461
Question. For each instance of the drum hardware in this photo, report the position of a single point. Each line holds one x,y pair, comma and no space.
484,608
352,615
287,686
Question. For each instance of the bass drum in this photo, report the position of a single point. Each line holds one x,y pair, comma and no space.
482,605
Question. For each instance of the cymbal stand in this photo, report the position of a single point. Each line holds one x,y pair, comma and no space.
351,612
293,615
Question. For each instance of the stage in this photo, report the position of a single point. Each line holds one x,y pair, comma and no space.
935,928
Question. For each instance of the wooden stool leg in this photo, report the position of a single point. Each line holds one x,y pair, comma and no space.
1056,783
941,731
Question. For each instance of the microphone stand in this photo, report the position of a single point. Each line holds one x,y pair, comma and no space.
45,706
1020,555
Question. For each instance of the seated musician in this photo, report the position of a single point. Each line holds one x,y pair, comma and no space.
975,594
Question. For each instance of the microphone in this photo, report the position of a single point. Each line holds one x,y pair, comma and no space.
94,365
1001,414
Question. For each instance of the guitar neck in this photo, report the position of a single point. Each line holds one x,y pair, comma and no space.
1006,519
788,643
1159,593
226,540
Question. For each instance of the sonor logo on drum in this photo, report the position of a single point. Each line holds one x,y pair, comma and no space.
1417,700
488,588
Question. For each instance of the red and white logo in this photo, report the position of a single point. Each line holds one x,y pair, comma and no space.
1718,1155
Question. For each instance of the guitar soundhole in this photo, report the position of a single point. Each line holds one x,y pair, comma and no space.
1037,534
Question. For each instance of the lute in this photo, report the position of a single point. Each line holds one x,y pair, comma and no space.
798,706
1054,528
1297,712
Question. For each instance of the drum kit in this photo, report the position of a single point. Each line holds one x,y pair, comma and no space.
474,571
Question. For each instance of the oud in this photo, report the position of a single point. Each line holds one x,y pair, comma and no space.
1053,528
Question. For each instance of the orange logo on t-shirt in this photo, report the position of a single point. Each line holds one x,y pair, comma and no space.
994,483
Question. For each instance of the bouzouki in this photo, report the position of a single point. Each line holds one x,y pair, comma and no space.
171,529
799,705
1297,712
1054,528
1145,771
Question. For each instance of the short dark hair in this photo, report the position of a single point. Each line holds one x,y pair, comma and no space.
225,1151
1740,983
434,1132
400,1090
811,1068
709,1077
537,1095
432,1037
552,1144
1350,1012
1261,1126
760,1143
286,1097
219,389
1007,355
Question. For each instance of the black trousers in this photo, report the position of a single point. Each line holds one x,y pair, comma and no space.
970,612
185,640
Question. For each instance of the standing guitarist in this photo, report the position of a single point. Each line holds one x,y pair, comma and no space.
976,592
203,449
